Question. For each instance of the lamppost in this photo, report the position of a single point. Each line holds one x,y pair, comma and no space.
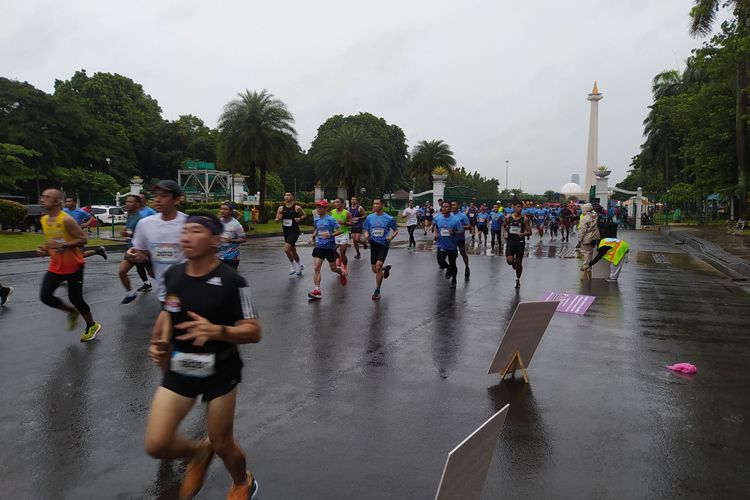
109,164
506,175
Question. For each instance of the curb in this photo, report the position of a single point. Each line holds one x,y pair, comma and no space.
32,253
731,266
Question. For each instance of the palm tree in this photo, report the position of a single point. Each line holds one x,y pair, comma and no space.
427,155
256,131
351,157
703,15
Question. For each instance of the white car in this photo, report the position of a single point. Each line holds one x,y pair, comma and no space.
105,214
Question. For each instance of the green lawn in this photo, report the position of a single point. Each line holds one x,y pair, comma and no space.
21,242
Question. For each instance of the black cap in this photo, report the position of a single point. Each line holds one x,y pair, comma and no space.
167,185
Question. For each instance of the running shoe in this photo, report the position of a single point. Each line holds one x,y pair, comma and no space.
5,292
342,278
129,298
247,491
146,287
90,332
315,295
467,273
358,256
518,283
73,319
386,272
101,251
364,245
376,295
196,472
453,282
292,272
301,268
608,280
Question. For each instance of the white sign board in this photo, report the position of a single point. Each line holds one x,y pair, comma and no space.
523,333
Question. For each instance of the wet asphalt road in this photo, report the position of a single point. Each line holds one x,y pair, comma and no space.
350,399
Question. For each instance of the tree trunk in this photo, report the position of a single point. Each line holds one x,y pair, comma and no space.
262,207
252,185
742,144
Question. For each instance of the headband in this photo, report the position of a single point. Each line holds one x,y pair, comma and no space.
208,223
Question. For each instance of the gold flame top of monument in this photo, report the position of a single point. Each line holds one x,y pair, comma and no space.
595,90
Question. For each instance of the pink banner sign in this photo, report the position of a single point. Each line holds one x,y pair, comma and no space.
570,303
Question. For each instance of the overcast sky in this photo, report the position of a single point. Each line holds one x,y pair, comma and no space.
497,80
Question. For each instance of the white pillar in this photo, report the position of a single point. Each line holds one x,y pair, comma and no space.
438,189
318,192
238,188
638,207
411,194
136,185
592,156
602,191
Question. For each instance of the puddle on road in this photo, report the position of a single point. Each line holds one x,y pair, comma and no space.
675,260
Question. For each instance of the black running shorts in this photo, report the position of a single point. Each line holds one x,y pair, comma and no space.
515,249
461,243
228,375
482,228
291,235
328,254
378,252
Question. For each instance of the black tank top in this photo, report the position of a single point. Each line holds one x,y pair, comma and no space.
520,224
289,213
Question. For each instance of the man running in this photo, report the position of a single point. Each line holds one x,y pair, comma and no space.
290,215
145,211
380,229
158,236
554,222
410,213
132,209
208,312
429,213
461,236
324,238
232,237
471,213
447,226
516,228
5,293
63,240
358,214
496,226
86,221
566,220
344,218
483,223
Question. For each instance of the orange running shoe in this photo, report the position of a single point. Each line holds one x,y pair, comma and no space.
247,491
196,472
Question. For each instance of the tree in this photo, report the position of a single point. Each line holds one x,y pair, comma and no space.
427,155
352,157
256,132
13,168
77,180
549,195
299,174
703,15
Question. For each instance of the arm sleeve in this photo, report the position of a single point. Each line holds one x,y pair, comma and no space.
601,253
242,302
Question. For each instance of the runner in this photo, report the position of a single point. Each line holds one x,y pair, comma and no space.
86,221
483,223
63,240
447,226
158,236
208,312
517,228
380,229
290,215
566,220
358,218
429,213
540,219
5,293
146,210
410,213
344,218
461,237
496,226
554,222
471,212
132,208
232,237
324,237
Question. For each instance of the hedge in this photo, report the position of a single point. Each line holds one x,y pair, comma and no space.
12,214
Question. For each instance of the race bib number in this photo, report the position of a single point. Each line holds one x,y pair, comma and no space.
378,232
193,364
287,222
514,229
472,215
324,234
165,253
342,239
444,231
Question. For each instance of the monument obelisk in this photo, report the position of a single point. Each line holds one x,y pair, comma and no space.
592,158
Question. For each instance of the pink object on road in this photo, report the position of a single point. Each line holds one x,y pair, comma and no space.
683,367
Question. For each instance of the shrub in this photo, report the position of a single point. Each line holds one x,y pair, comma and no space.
12,214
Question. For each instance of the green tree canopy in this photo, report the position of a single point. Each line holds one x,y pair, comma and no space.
13,168
426,156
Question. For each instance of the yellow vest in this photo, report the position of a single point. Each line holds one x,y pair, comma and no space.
69,260
617,251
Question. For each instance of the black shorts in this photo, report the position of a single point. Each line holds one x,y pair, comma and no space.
291,235
356,230
378,252
472,222
482,228
228,375
515,249
428,218
461,244
233,263
328,254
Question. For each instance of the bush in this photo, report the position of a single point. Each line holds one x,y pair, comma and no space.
12,214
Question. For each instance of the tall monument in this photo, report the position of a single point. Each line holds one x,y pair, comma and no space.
592,158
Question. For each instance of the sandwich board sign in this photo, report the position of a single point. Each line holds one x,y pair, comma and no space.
466,467
522,336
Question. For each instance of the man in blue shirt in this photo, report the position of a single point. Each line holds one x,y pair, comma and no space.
132,204
496,226
483,218
145,210
324,237
85,220
447,226
461,236
380,229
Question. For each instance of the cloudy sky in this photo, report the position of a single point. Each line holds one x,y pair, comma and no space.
497,79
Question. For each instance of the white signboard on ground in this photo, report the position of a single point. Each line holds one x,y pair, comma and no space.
467,465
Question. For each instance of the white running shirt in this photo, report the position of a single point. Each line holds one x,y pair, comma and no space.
161,239
411,216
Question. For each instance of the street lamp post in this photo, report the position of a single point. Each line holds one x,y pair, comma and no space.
506,175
